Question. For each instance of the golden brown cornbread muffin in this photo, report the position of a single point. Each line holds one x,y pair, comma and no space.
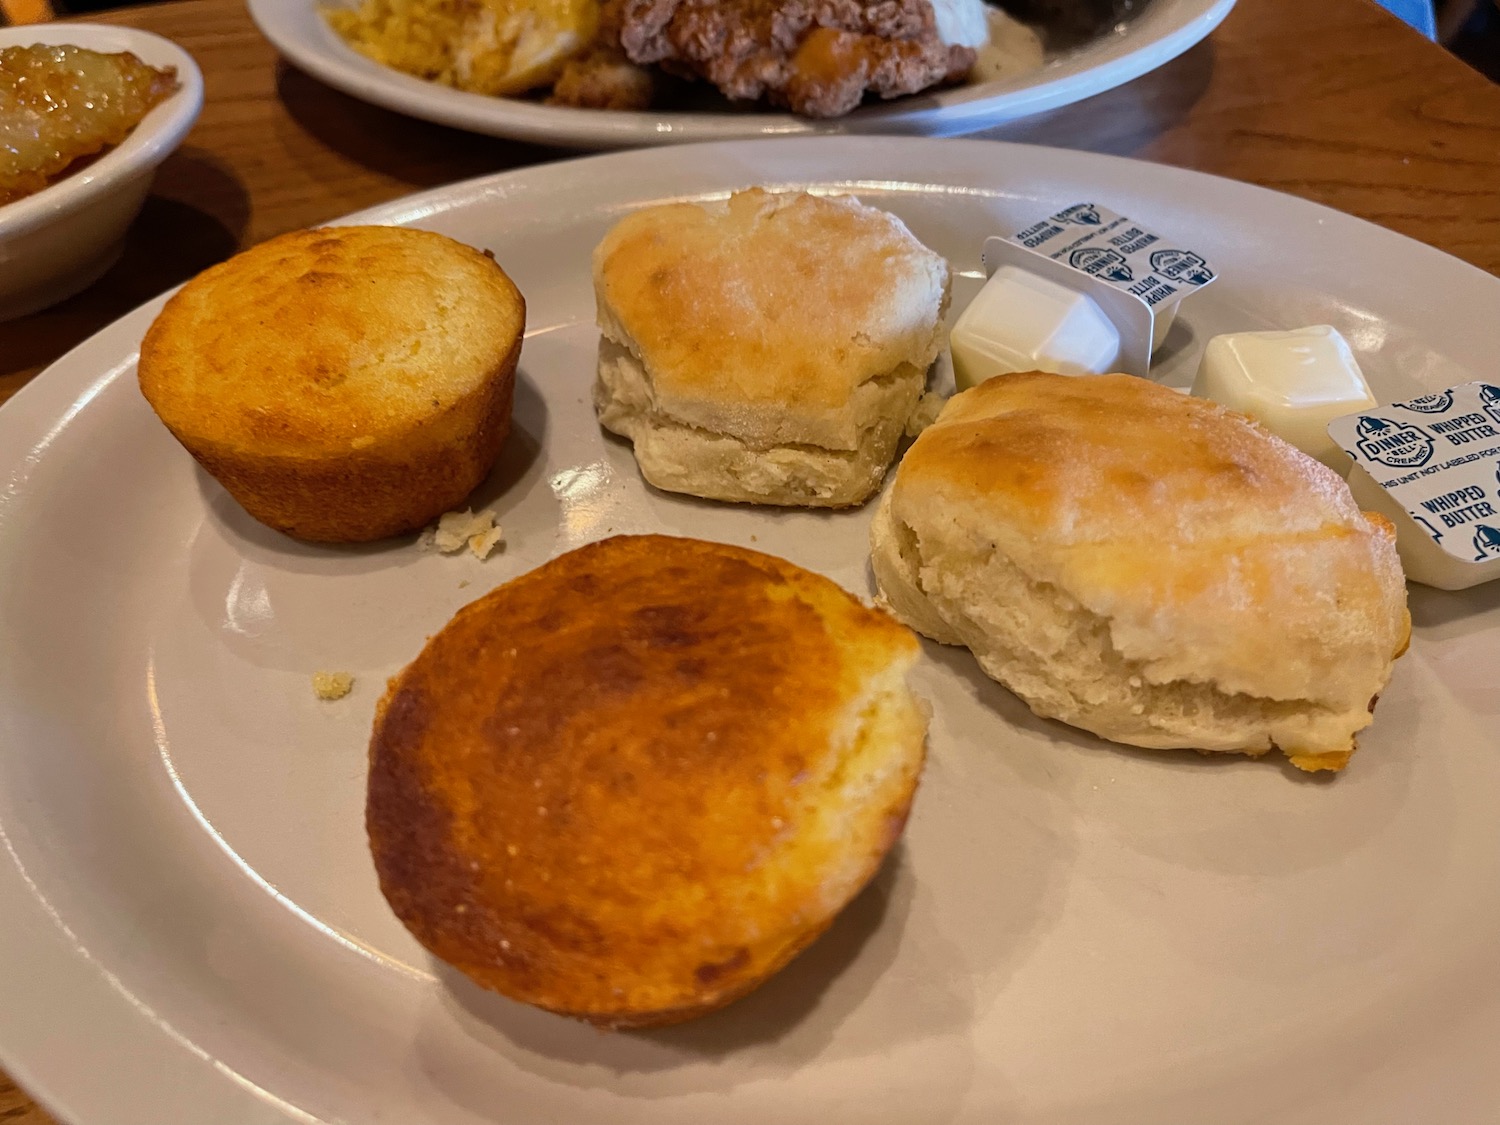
342,384
769,348
1146,565
632,784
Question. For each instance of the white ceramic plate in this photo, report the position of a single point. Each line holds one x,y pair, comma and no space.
1071,933
1159,33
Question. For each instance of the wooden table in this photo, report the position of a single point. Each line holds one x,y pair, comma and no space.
1335,101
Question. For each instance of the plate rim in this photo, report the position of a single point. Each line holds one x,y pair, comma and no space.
40,410
960,110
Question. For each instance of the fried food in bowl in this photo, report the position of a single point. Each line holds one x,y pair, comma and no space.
60,104
87,114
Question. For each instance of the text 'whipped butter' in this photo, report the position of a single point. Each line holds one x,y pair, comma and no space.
1152,268
1432,467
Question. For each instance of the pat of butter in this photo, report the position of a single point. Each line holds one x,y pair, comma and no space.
1293,383
1022,322
1432,467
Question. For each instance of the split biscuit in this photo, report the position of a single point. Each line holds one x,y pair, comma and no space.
1145,565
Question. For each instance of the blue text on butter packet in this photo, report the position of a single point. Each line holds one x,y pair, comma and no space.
1438,456
1120,251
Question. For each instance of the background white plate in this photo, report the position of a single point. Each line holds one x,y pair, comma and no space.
1159,33
1071,933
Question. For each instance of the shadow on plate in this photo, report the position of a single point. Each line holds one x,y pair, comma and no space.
520,458
1454,611
1180,340
411,151
1242,816
766,1016
1127,120
842,1003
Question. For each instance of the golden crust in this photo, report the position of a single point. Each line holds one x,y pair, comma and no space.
762,316
342,384
630,785
1113,458
1217,553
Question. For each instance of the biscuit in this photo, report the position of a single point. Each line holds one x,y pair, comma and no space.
1145,565
766,349
343,384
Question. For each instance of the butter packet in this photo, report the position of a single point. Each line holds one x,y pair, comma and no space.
1158,271
1432,466
1134,276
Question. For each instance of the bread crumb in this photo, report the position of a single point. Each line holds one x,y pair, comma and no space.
332,685
925,412
454,531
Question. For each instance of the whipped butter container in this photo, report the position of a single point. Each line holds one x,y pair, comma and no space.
1021,321
1294,383
1095,240
1432,467
1082,292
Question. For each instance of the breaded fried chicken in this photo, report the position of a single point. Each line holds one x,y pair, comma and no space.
603,78
816,57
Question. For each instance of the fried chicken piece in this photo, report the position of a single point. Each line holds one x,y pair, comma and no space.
60,104
816,57
603,78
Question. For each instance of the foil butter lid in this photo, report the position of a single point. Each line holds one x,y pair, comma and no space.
1436,461
1135,275
1120,251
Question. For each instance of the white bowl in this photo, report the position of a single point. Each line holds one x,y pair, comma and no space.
61,239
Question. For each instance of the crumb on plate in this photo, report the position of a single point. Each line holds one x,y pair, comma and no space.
454,531
332,685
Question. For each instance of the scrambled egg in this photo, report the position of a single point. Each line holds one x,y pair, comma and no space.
483,46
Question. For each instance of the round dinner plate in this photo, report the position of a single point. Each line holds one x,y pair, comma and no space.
1155,35
1071,932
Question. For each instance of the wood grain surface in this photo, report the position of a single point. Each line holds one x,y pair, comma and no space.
1336,101
1332,100
17,1109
